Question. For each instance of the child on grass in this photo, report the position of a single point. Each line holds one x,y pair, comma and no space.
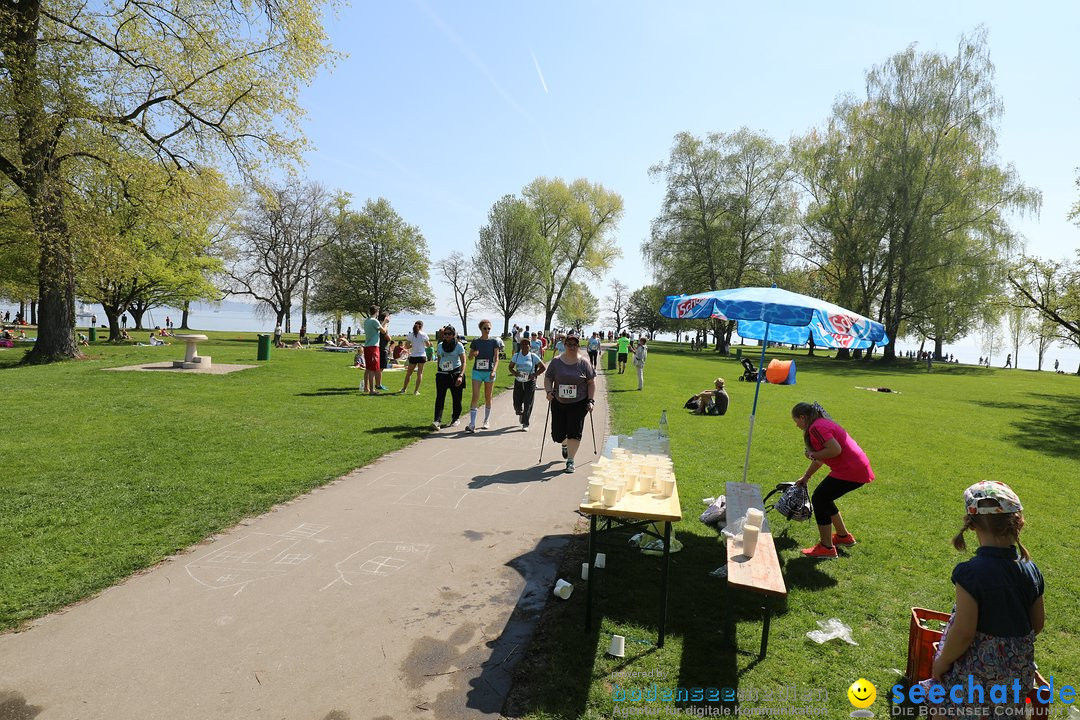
999,603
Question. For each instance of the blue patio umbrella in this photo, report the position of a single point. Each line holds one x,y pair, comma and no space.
776,315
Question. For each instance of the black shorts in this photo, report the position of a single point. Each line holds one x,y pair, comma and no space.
568,420
623,356
418,360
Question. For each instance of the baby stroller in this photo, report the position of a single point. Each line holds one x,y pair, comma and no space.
750,373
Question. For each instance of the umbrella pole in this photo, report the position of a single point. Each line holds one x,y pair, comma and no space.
753,412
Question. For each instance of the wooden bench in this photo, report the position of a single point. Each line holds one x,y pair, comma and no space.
760,573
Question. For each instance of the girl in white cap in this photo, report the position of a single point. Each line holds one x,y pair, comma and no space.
571,386
990,639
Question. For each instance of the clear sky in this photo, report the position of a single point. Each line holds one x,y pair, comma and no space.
443,107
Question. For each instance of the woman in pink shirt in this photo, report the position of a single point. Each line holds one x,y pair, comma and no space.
826,443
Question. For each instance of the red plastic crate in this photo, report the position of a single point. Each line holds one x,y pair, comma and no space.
923,644
921,639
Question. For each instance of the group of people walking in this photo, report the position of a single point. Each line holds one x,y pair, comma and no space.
568,381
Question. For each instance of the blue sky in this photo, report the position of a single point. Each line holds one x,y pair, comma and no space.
443,107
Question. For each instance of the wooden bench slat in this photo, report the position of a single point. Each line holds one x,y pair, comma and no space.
761,573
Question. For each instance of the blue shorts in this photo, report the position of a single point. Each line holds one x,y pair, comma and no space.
483,376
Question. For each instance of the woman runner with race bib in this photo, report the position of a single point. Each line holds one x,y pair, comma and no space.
450,376
525,366
571,386
484,352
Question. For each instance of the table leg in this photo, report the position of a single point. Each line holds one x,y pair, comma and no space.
592,572
765,632
664,584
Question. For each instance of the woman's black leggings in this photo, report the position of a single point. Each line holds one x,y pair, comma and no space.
594,356
524,392
443,382
825,495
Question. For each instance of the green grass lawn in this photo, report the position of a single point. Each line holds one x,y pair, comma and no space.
105,473
944,431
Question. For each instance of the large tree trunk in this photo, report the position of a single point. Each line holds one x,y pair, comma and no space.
506,326
843,354
33,312
184,317
938,345
56,271
112,316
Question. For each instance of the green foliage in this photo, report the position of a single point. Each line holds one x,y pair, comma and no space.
643,311
375,257
85,88
575,225
1053,290
579,307
507,253
727,208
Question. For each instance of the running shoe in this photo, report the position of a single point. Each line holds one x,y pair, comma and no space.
820,551
382,387
470,429
416,393
455,422
569,465
847,540
485,426
437,425
524,428
565,453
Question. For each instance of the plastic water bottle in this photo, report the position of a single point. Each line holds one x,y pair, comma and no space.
663,425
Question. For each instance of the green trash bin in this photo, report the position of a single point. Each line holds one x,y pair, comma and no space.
611,356
93,334
264,347
738,354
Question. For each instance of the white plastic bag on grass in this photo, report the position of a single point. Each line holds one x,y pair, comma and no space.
716,511
831,629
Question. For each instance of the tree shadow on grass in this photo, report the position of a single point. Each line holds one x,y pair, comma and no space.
401,432
1053,426
1050,424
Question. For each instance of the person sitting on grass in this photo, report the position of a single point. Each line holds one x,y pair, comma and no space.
82,339
711,402
155,340
358,360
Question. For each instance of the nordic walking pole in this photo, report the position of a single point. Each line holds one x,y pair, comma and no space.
543,438
593,426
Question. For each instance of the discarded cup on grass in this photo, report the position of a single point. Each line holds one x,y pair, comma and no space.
584,571
563,589
601,560
618,646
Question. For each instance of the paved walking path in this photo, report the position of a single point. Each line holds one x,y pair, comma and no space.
407,588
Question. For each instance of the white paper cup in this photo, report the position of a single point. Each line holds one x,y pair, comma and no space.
610,495
754,517
563,589
668,487
601,560
584,571
618,646
596,490
749,539
645,484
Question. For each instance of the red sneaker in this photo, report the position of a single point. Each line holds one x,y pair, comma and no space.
820,551
847,540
